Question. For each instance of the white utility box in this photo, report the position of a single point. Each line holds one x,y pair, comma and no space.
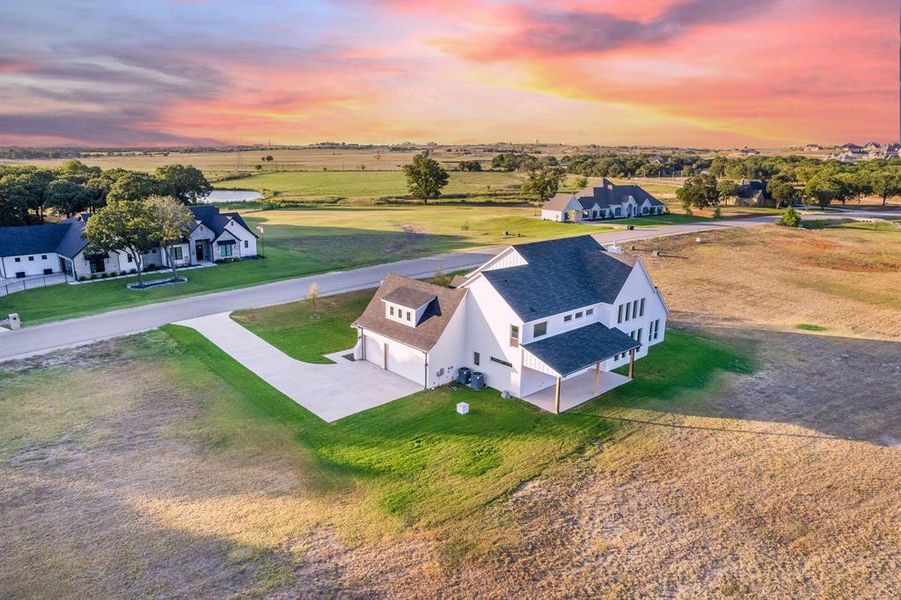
462,408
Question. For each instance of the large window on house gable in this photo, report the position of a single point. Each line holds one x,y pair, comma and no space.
539,329
641,308
619,318
628,310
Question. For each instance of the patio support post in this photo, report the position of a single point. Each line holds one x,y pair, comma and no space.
363,344
631,362
597,378
557,397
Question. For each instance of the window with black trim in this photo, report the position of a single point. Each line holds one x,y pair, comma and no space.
501,362
641,308
567,318
619,319
589,312
476,358
539,329
579,315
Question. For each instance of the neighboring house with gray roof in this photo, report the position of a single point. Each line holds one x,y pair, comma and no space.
33,250
535,317
605,201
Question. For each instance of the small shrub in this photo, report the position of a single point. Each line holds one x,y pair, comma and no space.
717,213
790,218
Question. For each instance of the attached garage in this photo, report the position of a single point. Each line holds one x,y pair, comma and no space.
402,325
395,357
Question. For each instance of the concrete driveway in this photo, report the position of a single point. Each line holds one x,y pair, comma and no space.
331,392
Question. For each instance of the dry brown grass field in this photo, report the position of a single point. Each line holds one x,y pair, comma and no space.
786,483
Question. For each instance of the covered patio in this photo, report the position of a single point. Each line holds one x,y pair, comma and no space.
576,390
576,360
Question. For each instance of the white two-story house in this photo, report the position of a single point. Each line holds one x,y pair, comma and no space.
547,322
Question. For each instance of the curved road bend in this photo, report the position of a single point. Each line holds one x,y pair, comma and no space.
84,330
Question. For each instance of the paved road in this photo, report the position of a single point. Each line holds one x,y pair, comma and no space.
84,330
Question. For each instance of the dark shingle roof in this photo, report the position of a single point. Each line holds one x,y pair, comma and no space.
569,352
610,193
603,195
31,239
433,323
409,297
216,221
561,275
63,238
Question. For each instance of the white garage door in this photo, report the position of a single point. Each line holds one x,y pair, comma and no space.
406,362
402,360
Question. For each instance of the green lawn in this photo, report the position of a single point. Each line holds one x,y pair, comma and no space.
372,185
308,330
416,463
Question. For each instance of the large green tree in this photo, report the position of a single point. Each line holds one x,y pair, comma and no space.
132,186
699,191
129,226
822,188
175,222
425,177
67,197
542,182
184,183
725,189
886,184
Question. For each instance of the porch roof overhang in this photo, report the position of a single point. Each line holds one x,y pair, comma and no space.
573,351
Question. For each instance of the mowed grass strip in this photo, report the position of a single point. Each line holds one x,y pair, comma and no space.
415,461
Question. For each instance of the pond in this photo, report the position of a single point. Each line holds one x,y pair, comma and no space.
232,196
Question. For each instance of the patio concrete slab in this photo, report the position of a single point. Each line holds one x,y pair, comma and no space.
331,392
576,391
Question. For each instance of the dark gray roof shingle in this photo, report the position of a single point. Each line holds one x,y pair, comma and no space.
574,350
561,275
603,195
63,238
216,221
433,323
610,193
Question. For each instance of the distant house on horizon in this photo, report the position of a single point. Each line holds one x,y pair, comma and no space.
605,201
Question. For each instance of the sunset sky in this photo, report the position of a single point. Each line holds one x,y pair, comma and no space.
711,73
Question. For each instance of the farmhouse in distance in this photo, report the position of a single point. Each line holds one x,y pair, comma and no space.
547,322
605,201
52,248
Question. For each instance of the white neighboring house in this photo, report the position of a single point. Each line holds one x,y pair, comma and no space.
531,318
605,201
31,250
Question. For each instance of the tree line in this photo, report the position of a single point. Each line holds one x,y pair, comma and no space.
27,192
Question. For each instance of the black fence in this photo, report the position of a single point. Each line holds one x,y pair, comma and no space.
11,286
